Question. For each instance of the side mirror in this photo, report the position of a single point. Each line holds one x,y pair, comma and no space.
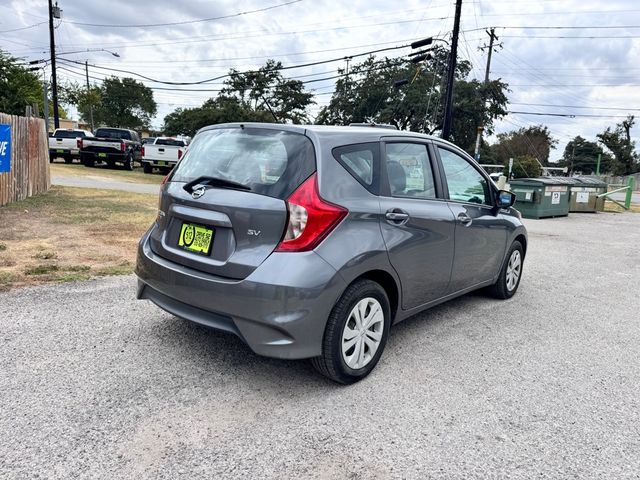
505,199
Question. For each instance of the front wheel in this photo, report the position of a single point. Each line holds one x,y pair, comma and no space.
511,273
356,333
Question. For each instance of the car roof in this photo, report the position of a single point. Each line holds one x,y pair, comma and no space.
345,133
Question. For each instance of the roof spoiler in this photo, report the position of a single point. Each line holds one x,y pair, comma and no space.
375,125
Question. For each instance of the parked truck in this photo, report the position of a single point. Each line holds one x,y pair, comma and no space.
112,146
63,143
164,153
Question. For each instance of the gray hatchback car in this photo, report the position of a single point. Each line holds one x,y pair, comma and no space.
312,241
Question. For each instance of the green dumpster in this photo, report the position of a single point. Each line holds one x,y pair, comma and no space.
542,197
584,195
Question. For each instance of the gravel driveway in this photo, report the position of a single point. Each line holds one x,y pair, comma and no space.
95,384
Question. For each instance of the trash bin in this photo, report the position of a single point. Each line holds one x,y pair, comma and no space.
542,197
584,195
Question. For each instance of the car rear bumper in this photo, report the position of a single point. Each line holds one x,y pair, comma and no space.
159,163
117,156
280,310
64,151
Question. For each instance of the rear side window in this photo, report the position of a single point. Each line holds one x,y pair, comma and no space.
69,134
361,161
270,162
112,133
169,142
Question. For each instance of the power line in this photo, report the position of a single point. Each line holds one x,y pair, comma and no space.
575,106
186,22
220,77
568,115
24,28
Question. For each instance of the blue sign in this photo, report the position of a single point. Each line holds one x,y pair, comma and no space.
5,148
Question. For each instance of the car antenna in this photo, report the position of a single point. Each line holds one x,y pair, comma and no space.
270,109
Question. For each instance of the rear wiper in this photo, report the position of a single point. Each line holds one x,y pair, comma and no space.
215,182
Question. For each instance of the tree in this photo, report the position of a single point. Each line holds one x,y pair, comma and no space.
581,155
19,87
369,94
266,90
535,141
618,142
263,95
187,121
525,166
125,103
118,102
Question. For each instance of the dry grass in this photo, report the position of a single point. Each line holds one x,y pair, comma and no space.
77,170
612,207
72,234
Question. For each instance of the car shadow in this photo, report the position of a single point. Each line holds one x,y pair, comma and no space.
217,351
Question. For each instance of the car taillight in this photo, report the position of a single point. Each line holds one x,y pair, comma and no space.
79,143
160,211
311,218
123,146
180,153
142,151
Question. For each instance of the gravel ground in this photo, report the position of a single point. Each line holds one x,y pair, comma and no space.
95,384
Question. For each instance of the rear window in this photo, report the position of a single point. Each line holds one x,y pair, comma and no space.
169,141
270,162
112,133
69,134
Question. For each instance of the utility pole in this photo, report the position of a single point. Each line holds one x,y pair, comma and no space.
52,47
448,106
492,37
46,101
86,69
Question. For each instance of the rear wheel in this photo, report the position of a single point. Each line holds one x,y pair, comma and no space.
511,273
88,161
128,163
147,168
356,333
68,159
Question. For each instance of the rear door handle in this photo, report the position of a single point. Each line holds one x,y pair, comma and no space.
397,216
465,219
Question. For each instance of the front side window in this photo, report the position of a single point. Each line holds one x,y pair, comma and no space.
465,183
409,171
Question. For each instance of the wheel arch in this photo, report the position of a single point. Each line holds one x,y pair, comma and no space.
388,283
523,241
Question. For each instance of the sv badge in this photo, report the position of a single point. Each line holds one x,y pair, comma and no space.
254,233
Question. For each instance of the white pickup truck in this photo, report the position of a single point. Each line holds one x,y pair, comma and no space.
63,143
164,153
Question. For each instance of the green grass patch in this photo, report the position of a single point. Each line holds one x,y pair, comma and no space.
124,268
6,277
3,247
73,277
41,269
76,268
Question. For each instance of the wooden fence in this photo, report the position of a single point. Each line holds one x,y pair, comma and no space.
29,173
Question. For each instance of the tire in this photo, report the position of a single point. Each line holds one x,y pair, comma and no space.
128,163
506,286
68,159
342,367
51,159
89,161
147,168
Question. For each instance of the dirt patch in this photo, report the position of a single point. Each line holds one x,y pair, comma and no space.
72,234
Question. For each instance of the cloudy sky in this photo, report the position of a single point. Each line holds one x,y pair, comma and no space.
570,57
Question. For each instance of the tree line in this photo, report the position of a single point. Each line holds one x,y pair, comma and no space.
379,90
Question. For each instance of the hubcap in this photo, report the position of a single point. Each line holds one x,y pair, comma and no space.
513,270
362,333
